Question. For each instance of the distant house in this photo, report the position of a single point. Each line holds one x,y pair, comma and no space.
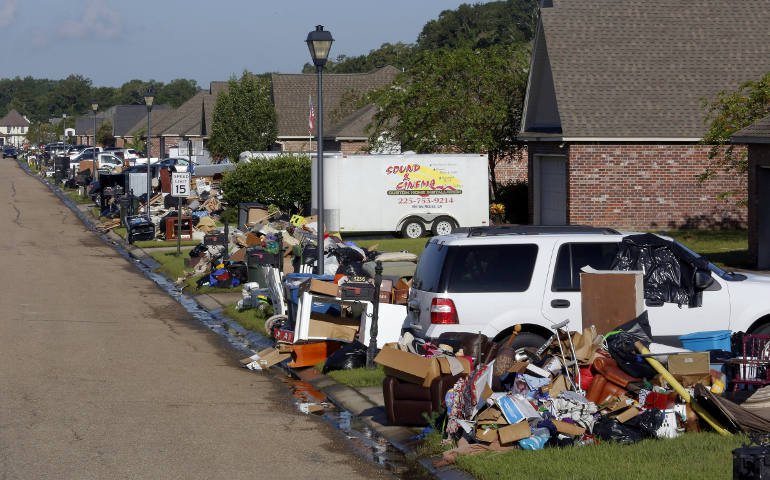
344,122
613,114
122,118
190,121
757,138
13,129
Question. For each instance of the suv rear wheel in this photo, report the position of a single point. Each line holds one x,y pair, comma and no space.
525,344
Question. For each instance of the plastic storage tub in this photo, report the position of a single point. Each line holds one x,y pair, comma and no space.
705,341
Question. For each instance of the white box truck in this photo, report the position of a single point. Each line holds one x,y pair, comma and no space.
405,193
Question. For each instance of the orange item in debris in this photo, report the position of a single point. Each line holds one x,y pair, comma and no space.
308,354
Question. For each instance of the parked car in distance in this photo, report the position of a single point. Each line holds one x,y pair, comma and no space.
492,279
10,151
84,150
175,164
125,153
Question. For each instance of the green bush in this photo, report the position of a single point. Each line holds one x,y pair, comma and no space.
283,181
514,196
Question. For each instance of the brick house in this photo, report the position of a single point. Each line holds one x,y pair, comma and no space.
122,118
613,114
13,129
190,121
757,139
344,124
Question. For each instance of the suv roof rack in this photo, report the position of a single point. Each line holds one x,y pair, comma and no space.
534,230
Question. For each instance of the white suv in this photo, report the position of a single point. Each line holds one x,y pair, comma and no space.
491,279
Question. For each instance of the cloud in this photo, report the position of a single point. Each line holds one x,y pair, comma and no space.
7,12
97,21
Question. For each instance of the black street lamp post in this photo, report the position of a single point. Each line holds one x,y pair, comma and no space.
94,108
149,96
319,42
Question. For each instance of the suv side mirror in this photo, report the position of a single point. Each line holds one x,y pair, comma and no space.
703,280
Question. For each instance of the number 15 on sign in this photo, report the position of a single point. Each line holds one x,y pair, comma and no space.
180,184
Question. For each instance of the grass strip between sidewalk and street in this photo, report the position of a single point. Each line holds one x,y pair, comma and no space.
357,377
251,319
691,455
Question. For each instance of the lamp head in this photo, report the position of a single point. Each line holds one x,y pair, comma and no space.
319,42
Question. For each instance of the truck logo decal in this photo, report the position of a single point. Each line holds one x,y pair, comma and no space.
415,179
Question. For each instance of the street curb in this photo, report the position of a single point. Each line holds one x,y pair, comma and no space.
345,397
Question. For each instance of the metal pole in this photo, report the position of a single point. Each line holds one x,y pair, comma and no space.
149,183
179,228
320,172
93,164
375,316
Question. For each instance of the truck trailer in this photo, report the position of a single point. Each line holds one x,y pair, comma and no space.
408,193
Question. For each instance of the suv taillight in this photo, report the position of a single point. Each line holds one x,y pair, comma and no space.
443,311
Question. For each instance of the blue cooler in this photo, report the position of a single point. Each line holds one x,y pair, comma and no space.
705,341
292,295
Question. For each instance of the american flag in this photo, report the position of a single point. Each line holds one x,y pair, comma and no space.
311,118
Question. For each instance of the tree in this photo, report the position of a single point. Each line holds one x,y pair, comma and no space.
104,134
730,112
139,141
396,54
177,92
244,118
456,100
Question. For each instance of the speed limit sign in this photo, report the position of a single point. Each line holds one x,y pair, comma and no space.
180,184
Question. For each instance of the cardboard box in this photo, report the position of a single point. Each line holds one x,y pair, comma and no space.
324,288
485,434
610,298
694,363
332,327
491,416
568,428
627,414
256,215
513,433
692,380
445,368
408,366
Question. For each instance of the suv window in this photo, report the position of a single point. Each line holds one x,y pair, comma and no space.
574,256
428,273
489,268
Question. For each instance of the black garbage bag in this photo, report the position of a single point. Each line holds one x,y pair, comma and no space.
198,250
669,269
238,270
608,428
647,422
352,270
347,255
350,356
621,346
170,201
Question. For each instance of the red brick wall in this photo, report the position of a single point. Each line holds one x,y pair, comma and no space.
647,186
759,156
512,168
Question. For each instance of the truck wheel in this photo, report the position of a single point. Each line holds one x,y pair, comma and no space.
412,228
525,344
443,226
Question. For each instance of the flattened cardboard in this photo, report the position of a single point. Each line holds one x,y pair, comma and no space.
558,385
266,358
324,288
568,428
256,215
491,415
610,298
691,363
627,415
514,433
692,380
488,435
238,256
445,368
518,367
408,366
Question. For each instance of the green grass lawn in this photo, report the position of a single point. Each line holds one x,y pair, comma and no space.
252,319
726,248
80,199
692,455
358,377
416,245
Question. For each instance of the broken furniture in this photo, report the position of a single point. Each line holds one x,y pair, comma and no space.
609,380
406,402
753,366
172,224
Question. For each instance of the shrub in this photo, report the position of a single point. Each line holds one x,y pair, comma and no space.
283,181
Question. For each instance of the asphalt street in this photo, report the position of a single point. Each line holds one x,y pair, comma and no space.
103,375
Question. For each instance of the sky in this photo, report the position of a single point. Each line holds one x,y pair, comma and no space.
114,41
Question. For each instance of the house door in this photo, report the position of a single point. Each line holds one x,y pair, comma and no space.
551,199
763,218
